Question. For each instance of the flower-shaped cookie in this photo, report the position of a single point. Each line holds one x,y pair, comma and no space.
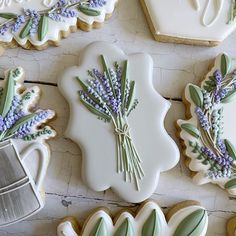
117,117
39,23
195,22
209,134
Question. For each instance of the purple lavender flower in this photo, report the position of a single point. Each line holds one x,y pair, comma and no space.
221,145
220,95
55,16
113,102
26,128
96,3
225,163
234,85
60,3
20,20
202,118
1,123
218,78
35,16
65,12
12,116
4,28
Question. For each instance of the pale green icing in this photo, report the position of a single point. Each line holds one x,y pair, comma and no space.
99,229
192,225
125,229
152,226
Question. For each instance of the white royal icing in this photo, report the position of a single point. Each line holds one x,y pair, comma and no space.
228,133
199,20
137,222
54,27
32,159
96,138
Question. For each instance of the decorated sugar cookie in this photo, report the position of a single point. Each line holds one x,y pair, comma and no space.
117,117
23,150
197,22
39,23
231,227
184,219
208,134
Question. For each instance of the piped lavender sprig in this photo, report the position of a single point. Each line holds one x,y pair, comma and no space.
111,97
32,21
16,121
217,153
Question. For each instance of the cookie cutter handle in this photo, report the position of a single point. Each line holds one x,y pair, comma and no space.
43,154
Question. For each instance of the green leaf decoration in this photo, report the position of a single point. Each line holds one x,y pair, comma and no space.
8,94
212,78
193,224
124,81
85,88
231,96
125,229
231,184
108,75
26,30
230,149
191,129
152,226
196,95
88,11
131,97
20,123
208,88
95,111
225,65
8,16
210,83
43,27
99,228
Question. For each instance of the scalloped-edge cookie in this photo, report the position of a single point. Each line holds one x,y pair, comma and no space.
195,22
24,153
184,219
208,134
117,118
40,23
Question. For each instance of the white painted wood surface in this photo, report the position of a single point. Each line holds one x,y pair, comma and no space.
174,67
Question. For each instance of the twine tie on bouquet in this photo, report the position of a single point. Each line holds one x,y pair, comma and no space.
123,133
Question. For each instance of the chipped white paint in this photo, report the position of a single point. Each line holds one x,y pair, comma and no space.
174,67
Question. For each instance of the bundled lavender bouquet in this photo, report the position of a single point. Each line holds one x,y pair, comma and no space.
16,119
32,21
111,97
218,154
